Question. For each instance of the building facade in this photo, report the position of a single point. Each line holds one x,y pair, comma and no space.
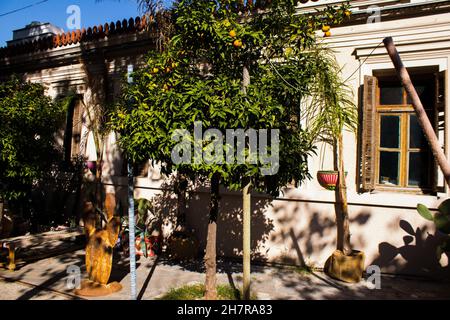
390,168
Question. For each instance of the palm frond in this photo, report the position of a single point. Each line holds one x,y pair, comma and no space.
331,108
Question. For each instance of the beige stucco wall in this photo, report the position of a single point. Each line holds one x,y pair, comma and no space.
382,233
295,229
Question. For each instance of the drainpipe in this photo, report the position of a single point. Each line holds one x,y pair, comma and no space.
131,219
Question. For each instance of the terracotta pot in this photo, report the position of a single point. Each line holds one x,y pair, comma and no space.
154,245
328,179
347,268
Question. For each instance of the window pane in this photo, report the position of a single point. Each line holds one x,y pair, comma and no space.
426,95
417,139
391,95
390,132
419,169
389,168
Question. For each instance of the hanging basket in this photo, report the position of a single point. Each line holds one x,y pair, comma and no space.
328,179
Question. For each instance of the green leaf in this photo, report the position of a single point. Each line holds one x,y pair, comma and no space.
424,212
444,207
442,221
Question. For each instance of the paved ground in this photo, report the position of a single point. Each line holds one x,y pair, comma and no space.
15,290
47,279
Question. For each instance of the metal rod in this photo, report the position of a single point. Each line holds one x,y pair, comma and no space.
131,219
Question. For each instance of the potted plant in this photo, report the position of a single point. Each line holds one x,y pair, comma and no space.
441,220
148,227
148,235
334,112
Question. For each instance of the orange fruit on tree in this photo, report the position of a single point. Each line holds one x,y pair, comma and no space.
233,34
348,13
237,43
327,34
288,51
326,28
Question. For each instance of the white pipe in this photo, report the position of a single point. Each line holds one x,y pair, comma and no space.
131,219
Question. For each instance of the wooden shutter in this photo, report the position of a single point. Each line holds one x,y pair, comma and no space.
439,181
73,129
77,127
368,145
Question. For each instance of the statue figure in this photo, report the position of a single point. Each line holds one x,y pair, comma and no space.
99,250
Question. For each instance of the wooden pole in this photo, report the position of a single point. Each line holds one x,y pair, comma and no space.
246,223
422,117
246,245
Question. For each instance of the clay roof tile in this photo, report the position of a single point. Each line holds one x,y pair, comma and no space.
76,36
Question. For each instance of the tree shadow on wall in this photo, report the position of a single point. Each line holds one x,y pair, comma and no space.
417,256
315,232
229,230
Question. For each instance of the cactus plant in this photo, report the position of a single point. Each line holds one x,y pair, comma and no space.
442,221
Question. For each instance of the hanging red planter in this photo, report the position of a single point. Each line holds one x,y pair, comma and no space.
328,179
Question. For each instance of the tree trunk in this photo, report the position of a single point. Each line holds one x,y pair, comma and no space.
210,255
97,198
1,215
99,192
246,245
422,117
76,212
181,188
341,207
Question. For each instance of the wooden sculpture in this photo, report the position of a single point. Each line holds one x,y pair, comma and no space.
99,250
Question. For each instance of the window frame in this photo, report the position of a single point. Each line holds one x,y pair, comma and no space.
404,111
73,129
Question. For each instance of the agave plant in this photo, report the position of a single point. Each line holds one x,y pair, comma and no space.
442,221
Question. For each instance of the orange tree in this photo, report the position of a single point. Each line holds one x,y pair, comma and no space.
198,79
29,121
